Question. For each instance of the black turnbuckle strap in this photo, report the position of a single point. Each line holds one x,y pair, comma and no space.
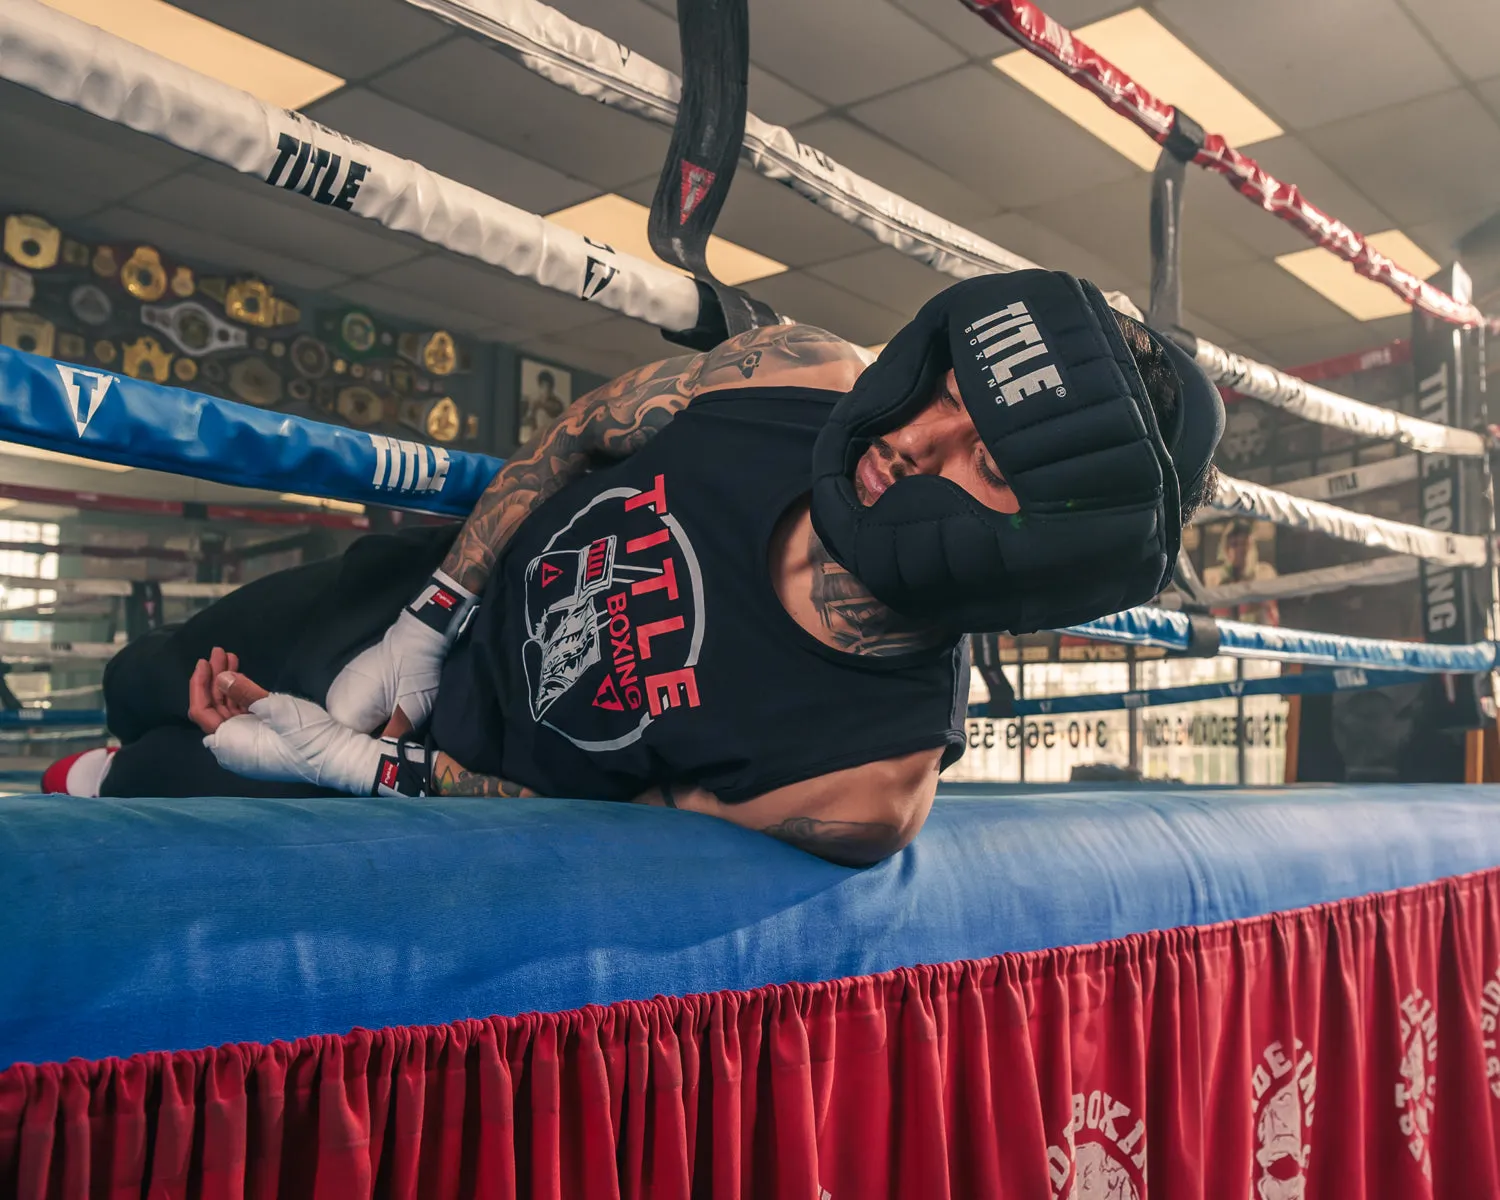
701,161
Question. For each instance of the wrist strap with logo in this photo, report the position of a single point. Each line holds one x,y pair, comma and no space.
405,767
443,606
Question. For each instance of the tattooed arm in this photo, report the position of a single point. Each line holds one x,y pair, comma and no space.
451,779
854,817
615,420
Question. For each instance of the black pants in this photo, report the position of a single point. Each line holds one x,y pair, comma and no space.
293,632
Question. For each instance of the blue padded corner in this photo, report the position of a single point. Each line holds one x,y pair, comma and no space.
169,924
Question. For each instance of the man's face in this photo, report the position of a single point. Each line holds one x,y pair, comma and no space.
938,440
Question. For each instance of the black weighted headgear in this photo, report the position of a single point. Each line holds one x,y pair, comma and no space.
1055,394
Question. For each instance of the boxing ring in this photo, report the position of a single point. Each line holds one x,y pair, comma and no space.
1056,991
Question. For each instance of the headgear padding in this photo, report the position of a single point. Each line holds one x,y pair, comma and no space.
1057,398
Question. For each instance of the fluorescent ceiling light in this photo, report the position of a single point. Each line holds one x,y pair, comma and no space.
1141,47
1363,299
321,502
16,450
210,49
621,223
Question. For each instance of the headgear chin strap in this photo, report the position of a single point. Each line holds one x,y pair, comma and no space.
1055,394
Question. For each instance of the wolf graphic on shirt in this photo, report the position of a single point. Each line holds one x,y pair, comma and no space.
614,620
567,630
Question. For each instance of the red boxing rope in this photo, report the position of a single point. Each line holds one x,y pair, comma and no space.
1342,1052
1033,29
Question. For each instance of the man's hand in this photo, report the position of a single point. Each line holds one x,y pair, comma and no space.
207,707
395,681
269,735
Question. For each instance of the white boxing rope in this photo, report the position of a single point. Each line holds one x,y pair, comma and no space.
1252,500
73,589
57,651
82,66
1393,568
585,61
1353,481
588,63
1319,405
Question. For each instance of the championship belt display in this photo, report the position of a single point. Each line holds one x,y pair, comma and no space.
133,309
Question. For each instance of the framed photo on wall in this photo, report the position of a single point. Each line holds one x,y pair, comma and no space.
545,390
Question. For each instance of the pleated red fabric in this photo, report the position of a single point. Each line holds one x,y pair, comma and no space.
1188,1064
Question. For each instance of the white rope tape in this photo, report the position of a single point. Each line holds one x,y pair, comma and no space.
586,62
1354,481
1394,568
87,68
72,589
1252,500
1312,403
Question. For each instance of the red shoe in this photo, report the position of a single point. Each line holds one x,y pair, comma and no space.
79,774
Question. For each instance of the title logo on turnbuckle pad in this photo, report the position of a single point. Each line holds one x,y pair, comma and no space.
85,390
408,466
1005,341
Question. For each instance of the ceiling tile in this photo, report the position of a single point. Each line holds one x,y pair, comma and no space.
245,210
1291,161
212,249
652,33
351,38
1440,237
815,302
1489,92
76,151
483,92
1419,160
1259,299
1113,221
1307,64
882,162
1466,30
976,38
883,275
771,219
461,156
493,297
1048,248
994,137
845,50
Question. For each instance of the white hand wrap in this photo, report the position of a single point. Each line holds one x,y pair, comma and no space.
293,740
403,668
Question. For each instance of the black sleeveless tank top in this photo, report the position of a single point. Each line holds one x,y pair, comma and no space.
631,634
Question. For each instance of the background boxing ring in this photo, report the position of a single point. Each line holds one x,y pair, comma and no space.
1065,992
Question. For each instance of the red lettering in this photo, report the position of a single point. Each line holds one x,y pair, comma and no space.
627,676
635,545
619,625
633,697
644,633
661,690
667,579
607,697
656,497
615,603
621,647
550,574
